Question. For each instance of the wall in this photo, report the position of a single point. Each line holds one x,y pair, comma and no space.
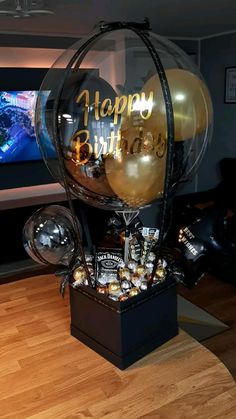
216,54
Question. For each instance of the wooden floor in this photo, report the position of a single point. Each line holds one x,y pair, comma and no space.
219,299
46,373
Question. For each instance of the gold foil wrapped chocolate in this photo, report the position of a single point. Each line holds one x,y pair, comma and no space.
124,273
136,280
160,272
114,288
141,270
133,292
79,274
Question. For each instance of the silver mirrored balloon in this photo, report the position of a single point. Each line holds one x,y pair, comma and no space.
49,236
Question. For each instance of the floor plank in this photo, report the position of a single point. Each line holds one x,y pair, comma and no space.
46,373
219,299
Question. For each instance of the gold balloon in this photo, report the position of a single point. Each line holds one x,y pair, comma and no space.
136,174
191,101
192,109
137,178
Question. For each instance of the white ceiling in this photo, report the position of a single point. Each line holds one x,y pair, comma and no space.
174,18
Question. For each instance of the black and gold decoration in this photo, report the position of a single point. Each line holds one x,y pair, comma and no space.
117,150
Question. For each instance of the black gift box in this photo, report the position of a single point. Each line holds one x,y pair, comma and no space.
124,332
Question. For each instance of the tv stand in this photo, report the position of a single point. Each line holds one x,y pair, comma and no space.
31,195
16,206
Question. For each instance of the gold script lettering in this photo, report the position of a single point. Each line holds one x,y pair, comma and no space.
86,105
149,105
130,102
83,150
105,108
119,107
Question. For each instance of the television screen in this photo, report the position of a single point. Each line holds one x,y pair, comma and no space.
17,134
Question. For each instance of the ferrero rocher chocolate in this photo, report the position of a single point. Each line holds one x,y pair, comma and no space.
141,270
79,274
133,292
160,272
114,287
124,273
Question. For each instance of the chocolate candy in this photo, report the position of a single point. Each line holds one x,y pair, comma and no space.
124,273
105,278
160,272
133,292
79,274
114,287
125,284
141,270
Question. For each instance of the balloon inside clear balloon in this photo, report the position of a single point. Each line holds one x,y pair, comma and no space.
103,111
49,236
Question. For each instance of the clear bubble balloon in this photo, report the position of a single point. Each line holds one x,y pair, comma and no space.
101,107
49,236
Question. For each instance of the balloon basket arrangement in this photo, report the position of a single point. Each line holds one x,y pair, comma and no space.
118,140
